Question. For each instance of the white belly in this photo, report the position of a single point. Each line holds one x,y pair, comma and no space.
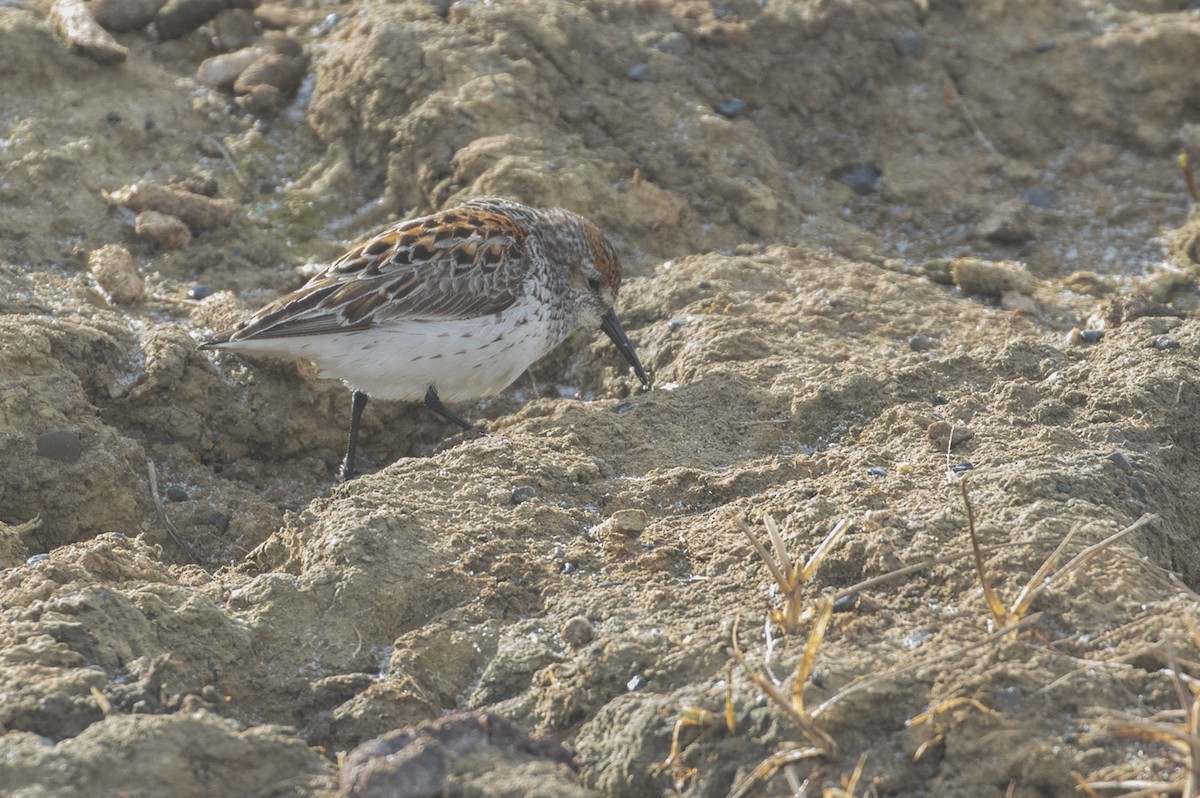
463,360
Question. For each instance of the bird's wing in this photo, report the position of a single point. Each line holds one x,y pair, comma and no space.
457,264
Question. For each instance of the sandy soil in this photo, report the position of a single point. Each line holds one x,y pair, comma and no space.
841,222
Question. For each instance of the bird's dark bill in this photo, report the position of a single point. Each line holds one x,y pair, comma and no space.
613,329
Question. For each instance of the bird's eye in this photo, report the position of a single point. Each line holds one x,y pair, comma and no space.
594,284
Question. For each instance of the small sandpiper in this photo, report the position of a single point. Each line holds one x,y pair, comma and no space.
452,306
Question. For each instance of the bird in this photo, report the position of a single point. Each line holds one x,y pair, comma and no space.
452,306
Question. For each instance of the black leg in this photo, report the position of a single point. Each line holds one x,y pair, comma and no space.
435,404
358,401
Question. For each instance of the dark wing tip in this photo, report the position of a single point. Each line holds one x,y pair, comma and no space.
216,339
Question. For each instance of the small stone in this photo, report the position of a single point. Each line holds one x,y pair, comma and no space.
522,494
1044,47
846,603
578,631
1008,698
61,445
120,16
910,44
176,494
920,343
83,34
168,231
674,43
877,471
1165,343
963,467
1039,197
730,107
1122,462
991,278
1008,223
629,521
1078,336
36,558
569,567
220,520
944,436
1062,487
636,683
642,73
113,268
624,407
199,292
861,178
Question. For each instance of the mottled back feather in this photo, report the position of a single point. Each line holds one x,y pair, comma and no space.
458,264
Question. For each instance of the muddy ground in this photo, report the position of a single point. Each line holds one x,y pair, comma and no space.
810,200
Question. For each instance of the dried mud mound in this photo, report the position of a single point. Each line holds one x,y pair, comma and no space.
871,253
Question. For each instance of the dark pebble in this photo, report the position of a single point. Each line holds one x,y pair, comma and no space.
731,107
1091,336
220,520
1044,47
1009,698
1039,197
676,323
636,683
861,178
61,445
847,603
721,12
939,400
1062,487
816,679
624,407
118,536
962,468
910,44
522,494
266,187
1165,343
199,292
176,494
877,471
643,73
148,124
920,343
569,567
37,558
1122,462
112,118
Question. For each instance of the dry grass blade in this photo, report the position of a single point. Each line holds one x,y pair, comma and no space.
172,530
815,636
849,783
1007,617
690,717
802,720
787,575
994,604
769,767
819,553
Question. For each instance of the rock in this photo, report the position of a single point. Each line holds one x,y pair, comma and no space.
910,44
61,445
197,212
113,268
944,436
731,107
674,43
162,228
274,69
83,34
991,278
578,631
119,16
1008,223
221,71
861,178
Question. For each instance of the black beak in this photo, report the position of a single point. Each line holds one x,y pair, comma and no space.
613,329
